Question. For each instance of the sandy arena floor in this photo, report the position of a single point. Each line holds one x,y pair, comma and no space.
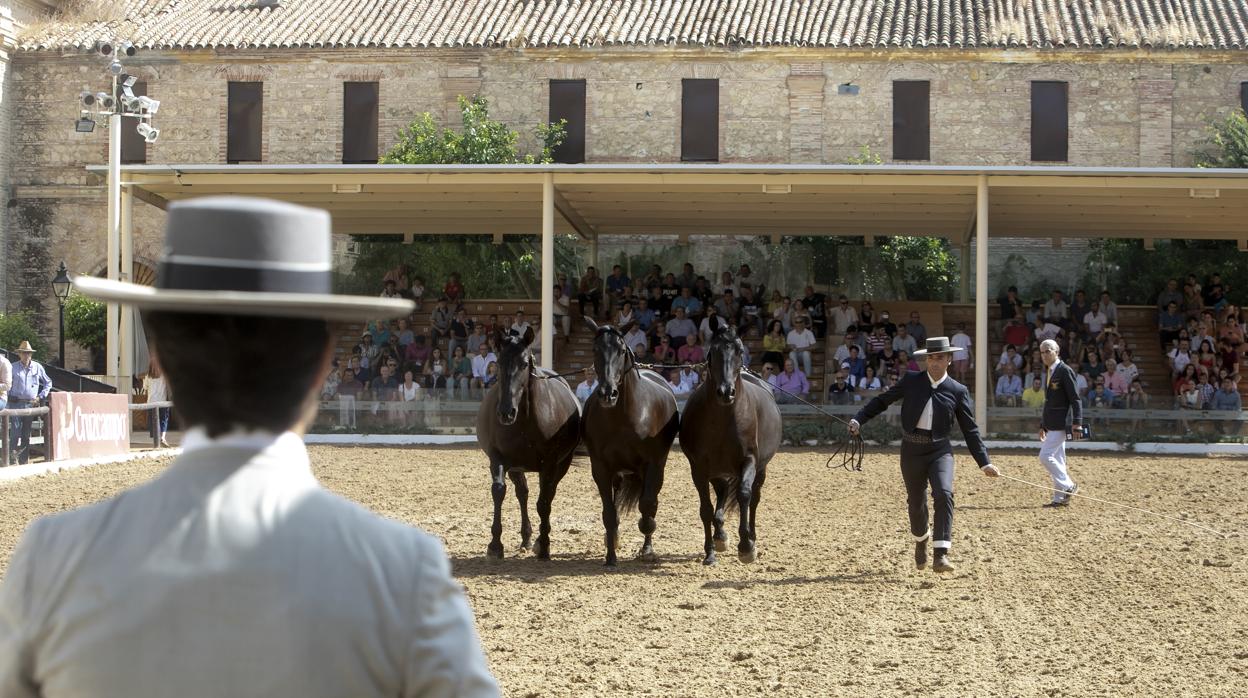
1092,600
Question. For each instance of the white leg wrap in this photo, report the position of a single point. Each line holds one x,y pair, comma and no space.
920,539
941,544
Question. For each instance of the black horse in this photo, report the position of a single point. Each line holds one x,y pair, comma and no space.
530,421
630,423
729,431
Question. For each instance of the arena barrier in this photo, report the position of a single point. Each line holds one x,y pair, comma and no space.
6,429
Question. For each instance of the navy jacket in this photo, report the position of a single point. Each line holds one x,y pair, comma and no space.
950,401
1060,398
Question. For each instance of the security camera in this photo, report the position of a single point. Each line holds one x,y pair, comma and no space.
149,134
149,105
126,49
105,100
115,67
104,48
87,99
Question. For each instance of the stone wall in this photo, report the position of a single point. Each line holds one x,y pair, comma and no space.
776,106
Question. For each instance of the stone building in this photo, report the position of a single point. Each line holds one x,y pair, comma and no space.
797,82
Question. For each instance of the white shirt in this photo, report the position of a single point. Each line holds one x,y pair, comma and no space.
6,377
157,389
234,573
585,389
801,340
410,394
925,418
963,341
1095,321
481,364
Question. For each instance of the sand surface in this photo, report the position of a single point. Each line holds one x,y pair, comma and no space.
1090,600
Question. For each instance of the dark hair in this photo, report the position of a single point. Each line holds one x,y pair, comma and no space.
226,375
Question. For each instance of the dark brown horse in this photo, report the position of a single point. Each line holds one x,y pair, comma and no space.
530,421
730,430
630,423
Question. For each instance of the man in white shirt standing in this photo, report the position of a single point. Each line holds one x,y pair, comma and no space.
233,572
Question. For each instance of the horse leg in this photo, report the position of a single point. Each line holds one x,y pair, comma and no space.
745,492
499,490
610,519
707,512
759,477
522,495
721,501
649,506
545,495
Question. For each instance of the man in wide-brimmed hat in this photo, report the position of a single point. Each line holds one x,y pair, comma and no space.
31,386
234,573
931,402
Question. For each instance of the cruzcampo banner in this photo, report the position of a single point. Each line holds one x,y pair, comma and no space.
85,425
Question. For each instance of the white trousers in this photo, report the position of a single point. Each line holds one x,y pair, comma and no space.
1053,458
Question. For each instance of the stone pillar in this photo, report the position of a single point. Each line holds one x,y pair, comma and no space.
1156,125
806,83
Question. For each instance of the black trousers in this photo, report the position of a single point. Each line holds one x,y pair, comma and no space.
921,465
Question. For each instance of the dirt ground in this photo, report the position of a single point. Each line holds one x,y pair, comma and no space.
1090,600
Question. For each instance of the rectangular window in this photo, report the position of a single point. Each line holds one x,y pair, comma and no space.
1050,134
567,101
133,146
359,122
245,122
911,120
699,121
1243,96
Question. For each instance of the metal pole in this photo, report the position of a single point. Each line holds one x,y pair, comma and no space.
982,392
4,429
112,348
125,344
61,303
548,271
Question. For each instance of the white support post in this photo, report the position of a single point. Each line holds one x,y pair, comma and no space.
548,271
982,391
126,340
113,263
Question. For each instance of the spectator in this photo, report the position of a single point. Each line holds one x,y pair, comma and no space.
157,389
618,287
791,382
417,293
1009,388
857,365
1228,356
1094,320
1015,333
1137,399
624,317
726,284
775,343
520,325
905,362
1227,399
1169,323
1116,381
877,342
689,378
890,329
461,374
1082,383
369,350
903,341
481,361
1192,304
680,327
866,316
751,313
703,292
563,313
635,336
1047,330
589,292
348,388
1179,357
644,315
800,341
589,383
664,353
410,394
328,390
687,279
687,302
1205,388
565,287
1206,359
660,332
6,382
1078,309
1100,396
491,375
843,315
669,291
727,308
358,372
436,372
1033,396
1055,310
679,387
643,354
815,304
868,383
690,352
654,277
704,327
1010,357
1092,364
840,392
398,278
655,300
1232,332
476,339
916,329
962,359
1011,306
1215,292
799,312
441,321
453,291
389,290
461,326
405,334
1034,315
417,354
1188,399
1127,367
1169,295
1188,375
1109,307
784,313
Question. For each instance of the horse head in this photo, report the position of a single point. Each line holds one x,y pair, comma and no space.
724,355
612,358
515,364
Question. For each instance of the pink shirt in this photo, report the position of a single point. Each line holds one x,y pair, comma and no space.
689,354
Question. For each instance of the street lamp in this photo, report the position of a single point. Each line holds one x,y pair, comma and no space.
60,286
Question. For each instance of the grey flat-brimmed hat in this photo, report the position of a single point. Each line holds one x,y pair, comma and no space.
234,255
936,345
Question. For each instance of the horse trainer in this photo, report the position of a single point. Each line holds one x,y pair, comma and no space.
234,573
931,401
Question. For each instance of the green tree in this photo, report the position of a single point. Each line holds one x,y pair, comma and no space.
1227,143
86,321
1135,275
480,141
16,328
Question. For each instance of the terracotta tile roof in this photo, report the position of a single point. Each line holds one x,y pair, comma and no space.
1088,24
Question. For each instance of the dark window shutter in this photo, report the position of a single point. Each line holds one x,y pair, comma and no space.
1243,96
567,101
245,122
133,146
359,122
911,120
699,121
1050,136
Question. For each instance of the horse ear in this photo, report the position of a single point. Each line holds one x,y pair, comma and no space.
589,322
714,324
528,336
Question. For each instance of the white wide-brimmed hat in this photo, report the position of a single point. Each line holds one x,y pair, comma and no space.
234,255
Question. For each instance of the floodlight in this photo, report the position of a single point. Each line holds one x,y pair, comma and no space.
87,99
149,105
127,80
105,100
127,49
84,125
115,67
104,48
149,134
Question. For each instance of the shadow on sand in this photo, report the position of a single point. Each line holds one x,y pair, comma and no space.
526,568
833,579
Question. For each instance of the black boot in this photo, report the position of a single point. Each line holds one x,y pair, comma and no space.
941,563
920,554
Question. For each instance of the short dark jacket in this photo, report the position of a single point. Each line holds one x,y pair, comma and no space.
950,401
1061,397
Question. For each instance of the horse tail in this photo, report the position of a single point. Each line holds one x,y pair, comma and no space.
731,485
629,492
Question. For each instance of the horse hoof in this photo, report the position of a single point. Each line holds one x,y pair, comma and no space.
710,560
647,556
721,544
495,551
526,547
609,564
747,556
